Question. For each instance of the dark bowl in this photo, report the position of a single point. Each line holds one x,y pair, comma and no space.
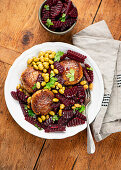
57,33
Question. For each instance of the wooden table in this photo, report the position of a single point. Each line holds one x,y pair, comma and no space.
20,30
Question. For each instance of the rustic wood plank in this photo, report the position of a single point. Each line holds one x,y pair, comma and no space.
107,155
18,149
61,154
8,56
24,28
110,11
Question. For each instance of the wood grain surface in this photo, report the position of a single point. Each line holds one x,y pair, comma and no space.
20,30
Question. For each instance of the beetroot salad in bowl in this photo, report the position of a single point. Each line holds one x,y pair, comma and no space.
58,17
51,89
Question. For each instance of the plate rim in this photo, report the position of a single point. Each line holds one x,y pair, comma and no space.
52,43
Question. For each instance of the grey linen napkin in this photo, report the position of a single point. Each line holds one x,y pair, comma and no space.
98,42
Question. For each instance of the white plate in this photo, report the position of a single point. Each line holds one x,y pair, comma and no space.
13,79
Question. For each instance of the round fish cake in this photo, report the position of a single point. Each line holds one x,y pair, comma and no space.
29,78
41,102
72,65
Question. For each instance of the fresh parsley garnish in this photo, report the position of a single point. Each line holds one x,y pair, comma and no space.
49,23
46,7
38,127
25,107
50,83
63,18
55,117
58,56
89,68
80,109
34,87
31,113
71,75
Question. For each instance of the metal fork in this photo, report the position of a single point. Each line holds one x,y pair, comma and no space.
90,141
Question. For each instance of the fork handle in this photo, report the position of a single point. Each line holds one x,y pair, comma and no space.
90,141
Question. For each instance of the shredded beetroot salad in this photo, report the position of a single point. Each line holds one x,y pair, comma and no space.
52,90
60,15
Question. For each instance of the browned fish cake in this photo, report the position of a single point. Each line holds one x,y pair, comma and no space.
29,78
76,66
41,102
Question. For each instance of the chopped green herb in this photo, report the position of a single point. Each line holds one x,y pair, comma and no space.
38,127
49,23
55,117
46,7
63,18
51,83
35,125
31,113
80,109
34,87
71,75
90,68
58,55
25,107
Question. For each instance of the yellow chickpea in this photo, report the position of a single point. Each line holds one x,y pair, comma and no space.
43,74
60,112
86,87
62,106
73,107
39,62
54,91
55,100
29,61
52,113
47,116
51,61
54,53
38,85
43,117
43,83
61,91
51,56
59,85
29,100
56,83
46,78
91,86
49,52
42,59
52,67
56,71
46,59
53,86
40,67
63,88
33,63
39,119
41,53
36,59
77,105
46,65
46,55
45,70
47,74
83,83
35,67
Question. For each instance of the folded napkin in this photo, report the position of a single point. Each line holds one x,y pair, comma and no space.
98,42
